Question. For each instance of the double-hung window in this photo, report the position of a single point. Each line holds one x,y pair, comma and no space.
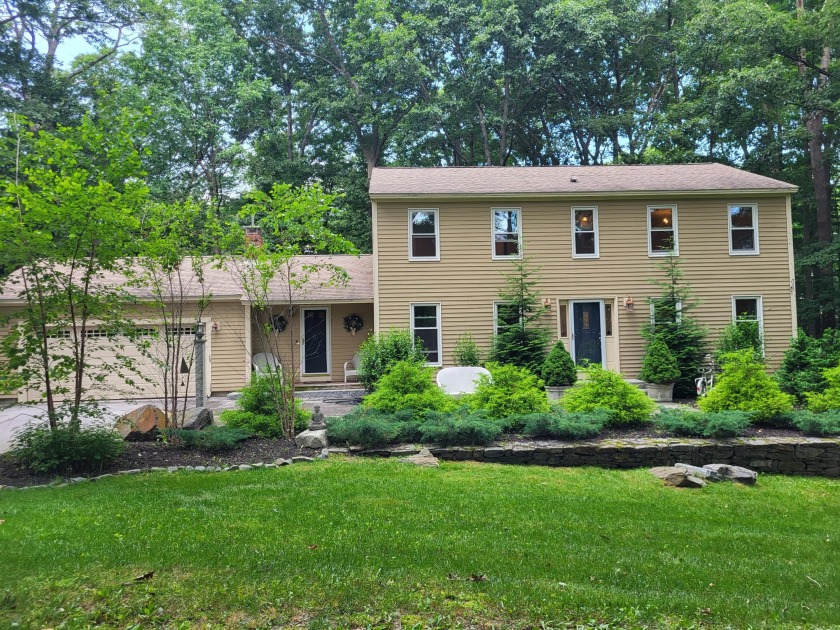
584,232
743,229
504,316
747,315
662,231
664,311
507,233
423,234
425,326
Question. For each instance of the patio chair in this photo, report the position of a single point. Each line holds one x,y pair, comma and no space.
264,363
355,369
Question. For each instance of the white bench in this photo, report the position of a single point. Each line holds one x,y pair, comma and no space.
460,380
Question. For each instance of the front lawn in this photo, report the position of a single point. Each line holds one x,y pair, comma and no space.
375,543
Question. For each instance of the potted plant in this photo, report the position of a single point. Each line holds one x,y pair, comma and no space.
659,370
558,371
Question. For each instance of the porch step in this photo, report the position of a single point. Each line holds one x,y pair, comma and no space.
636,382
348,394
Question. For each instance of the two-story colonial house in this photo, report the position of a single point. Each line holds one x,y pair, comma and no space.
445,237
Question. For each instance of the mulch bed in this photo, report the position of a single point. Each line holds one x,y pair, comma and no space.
148,454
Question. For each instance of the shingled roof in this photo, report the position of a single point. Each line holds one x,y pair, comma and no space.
567,180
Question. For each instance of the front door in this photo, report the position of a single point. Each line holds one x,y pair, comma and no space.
586,332
315,341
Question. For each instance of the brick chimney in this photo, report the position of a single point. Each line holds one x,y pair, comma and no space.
253,236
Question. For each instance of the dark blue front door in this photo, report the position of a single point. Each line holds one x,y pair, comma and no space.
587,331
315,341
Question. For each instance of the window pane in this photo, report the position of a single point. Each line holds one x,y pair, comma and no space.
506,221
743,240
741,216
584,221
608,318
661,218
564,321
506,315
422,223
585,243
666,311
746,309
423,246
430,343
662,241
506,245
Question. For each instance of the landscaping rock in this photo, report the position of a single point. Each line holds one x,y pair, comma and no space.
198,418
677,477
738,474
78,479
143,423
297,459
171,469
423,458
282,462
234,396
244,467
704,473
312,439
325,453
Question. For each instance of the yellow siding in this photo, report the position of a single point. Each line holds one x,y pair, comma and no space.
466,280
342,344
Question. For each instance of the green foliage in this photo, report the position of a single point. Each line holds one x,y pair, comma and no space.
829,398
67,449
559,369
369,427
213,439
675,325
739,336
660,365
522,337
566,426
408,385
509,391
464,428
379,352
826,423
258,409
690,423
605,389
466,351
745,386
804,363
262,425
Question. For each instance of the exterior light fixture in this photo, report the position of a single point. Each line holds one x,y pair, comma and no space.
628,303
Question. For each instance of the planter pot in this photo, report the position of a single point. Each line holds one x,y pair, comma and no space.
660,392
556,393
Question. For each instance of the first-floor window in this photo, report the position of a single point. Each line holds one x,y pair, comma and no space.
664,311
746,313
425,326
504,316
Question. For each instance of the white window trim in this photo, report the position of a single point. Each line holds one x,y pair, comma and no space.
597,253
303,340
653,310
436,213
437,306
742,252
676,250
759,309
493,233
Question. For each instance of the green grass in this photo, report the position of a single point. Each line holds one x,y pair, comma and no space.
363,543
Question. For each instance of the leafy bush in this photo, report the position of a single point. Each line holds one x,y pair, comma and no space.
379,352
367,427
262,425
408,385
214,439
258,400
739,336
510,391
745,386
829,398
660,365
805,361
605,389
817,423
566,426
449,429
690,423
67,450
559,369
466,352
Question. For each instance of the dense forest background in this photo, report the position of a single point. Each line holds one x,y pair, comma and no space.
229,96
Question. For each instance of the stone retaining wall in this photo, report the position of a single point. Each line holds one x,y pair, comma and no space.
797,456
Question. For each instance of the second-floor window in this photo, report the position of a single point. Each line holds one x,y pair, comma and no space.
743,229
423,234
584,232
507,233
662,231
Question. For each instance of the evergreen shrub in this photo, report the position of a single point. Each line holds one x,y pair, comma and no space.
214,439
605,389
449,429
827,423
409,385
565,426
660,365
689,423
559,369
829,398
739,336
379,352
466,351
509,391
805,361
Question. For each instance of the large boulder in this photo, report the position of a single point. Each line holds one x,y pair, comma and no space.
312,439
143,423
738,474
677,477
198,418
704,473
423,458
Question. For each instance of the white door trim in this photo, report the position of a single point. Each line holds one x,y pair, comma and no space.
303,340
572,340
